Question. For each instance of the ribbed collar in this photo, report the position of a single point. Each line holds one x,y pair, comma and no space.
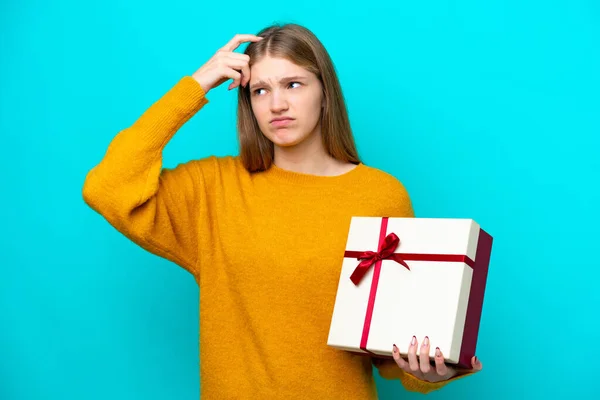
275,173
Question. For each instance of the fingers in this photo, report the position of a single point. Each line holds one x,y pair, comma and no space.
424,356
226,64
233,66
238,40
477,366
420,364
236,76
440,365
235,56
245,74
237,62
399,360
413,363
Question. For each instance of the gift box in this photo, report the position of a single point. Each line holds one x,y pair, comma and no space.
411,276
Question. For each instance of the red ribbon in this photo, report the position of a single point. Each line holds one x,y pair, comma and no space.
369,258
387,246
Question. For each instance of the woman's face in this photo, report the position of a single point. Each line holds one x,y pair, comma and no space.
286,100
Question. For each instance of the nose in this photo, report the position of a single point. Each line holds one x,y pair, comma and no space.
278,102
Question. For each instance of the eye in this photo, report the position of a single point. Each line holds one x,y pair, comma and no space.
257,91
295,83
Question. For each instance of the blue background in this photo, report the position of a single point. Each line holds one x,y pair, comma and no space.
487,110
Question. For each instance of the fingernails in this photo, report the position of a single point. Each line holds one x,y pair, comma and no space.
426,341
395,348
413,341
438,352
476,360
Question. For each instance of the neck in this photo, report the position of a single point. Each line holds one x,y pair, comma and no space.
308,157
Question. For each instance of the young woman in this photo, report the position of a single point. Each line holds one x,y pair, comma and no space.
262,232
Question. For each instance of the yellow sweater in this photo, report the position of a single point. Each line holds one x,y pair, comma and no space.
264,248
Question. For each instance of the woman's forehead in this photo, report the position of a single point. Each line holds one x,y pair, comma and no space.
277,68
268,63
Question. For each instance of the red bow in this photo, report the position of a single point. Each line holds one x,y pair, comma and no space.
369,258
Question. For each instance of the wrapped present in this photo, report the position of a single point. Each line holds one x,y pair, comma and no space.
411,276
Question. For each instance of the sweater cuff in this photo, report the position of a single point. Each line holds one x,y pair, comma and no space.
414,384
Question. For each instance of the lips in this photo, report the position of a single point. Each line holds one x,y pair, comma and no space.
281,121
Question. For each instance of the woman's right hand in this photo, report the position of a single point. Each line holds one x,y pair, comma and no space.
226,64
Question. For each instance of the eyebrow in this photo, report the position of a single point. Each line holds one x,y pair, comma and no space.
282,80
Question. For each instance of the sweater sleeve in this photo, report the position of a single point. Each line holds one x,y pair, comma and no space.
156,208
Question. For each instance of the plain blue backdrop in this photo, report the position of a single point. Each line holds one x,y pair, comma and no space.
483,109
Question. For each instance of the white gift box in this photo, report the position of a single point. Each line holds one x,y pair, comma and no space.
432,285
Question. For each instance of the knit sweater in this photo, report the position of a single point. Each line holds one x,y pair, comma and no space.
265,249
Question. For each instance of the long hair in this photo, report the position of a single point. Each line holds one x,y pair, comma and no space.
300,46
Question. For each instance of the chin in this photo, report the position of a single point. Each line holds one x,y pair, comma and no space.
286,138
286,143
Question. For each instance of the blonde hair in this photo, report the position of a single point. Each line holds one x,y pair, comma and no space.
300,46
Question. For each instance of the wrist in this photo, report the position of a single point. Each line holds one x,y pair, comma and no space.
205,87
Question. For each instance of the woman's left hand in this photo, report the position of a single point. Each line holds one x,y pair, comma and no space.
420,366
